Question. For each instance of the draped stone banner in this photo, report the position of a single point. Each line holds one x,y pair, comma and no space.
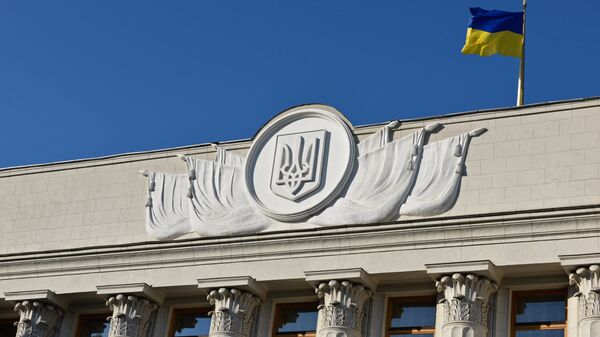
306,167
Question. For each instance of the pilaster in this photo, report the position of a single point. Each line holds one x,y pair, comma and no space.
465,304
234,312
342,308
587,281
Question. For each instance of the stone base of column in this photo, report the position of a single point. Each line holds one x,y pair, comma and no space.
463,329
338,332
589,327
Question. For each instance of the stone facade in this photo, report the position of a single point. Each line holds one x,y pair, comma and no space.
528,206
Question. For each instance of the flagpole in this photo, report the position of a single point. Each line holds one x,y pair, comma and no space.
521,88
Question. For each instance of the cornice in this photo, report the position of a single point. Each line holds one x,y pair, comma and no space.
398,236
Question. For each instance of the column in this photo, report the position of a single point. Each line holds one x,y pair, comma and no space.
130,315
587,281
37,319
234,312
465,304
342,309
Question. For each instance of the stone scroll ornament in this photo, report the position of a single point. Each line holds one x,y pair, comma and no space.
305,166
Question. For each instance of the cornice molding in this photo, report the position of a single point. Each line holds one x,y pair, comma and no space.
391,237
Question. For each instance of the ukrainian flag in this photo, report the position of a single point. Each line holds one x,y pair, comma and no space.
494,32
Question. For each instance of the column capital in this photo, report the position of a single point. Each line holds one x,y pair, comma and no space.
130,315
37,319
234,312
341,310
587,281
465,304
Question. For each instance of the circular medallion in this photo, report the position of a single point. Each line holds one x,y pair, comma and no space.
300,162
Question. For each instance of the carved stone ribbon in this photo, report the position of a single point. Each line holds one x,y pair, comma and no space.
37,319
342,308
234,312
465,304
130,317
587,280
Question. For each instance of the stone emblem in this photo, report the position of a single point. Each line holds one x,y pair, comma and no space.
298,164
290,172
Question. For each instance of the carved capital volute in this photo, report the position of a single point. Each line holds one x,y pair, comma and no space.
587,281
130,315
37,319
234,312
341,308
466,298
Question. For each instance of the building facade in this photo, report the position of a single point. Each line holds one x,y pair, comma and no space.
475,224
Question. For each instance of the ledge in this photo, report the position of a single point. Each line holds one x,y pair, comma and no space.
480,268
42,295
570,263
245,283
136,289
357,275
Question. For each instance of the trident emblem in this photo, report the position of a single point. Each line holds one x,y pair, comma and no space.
298,164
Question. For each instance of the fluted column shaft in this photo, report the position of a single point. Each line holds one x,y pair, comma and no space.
130,316
465,305
342,309
37,319
234,312
587,281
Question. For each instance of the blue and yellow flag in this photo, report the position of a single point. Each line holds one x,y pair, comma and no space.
494,32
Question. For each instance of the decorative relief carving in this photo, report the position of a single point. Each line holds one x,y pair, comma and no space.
466,298
298,163
305,166
37,319
130,317
234,312
341,311
587,281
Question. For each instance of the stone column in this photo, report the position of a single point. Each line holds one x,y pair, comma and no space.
341,310
465,305
234,312
587,281
37,319
130,316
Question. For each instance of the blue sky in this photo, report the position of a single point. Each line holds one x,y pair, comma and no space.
86,78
